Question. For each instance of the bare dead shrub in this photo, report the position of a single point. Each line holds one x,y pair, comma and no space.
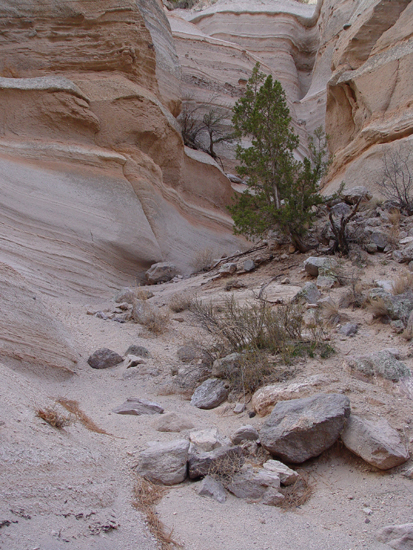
73,408
226,467
54,418
181,301
298,493
147,496
203,260
150,316
396,182
403,283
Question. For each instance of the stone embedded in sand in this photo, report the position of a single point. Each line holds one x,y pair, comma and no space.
249,265
375,441
140,351
172,422
398,537
287,475
381,363
303,428
348,329
210,394
204,440
164,463
244,433
210,487
227,269
161,272
137,407
133,361
104,358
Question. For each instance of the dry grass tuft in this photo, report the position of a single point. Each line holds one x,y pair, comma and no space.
53,418
143,294
203,260
147,495
297,494
379,310
181,301
150,316
403,283
225,468
73,408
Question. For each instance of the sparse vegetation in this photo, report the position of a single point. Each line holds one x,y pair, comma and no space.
203,260
396,182
150,316
53,417
147,496
181,301
73,407
297,494
403,283
379,310
340,230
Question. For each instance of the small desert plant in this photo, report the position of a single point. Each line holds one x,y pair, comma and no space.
226,467
203,260
330,313
379,309
150,316
147,495
73,407
297,494
143,293
54,418
403,283
396,182
181,301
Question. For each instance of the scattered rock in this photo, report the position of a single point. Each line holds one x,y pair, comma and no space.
351,196
127,295
187,354
325,282
385,285
172,422
104,358
136,407
164,463
287,475
254,483
239,408
204,440
210,487
133,361
375,441
309,293
244,433
226,366
249,265
219,460
348,329
210,394
303,428
382,363
227,269
340,209
140,351
314,263
161,272
265,398
399,537
191,376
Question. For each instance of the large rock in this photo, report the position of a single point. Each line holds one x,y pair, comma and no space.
375,441
399,537
164,463
287,475
397,307
244,433
104,358
213,488
303,428
210,394
381,363
161,273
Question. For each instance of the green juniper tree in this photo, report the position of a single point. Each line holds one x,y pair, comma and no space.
281,190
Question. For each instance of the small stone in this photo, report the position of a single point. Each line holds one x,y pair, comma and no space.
104,358
244,433
205,440
249,265
309,293
326,282
239,408
133,361
367,511
227,269
409,473
285,281
348,329
397,326
140,351
127,295
313,264
210,487
287,475
209,394
101,315
137,407
371,248
172,422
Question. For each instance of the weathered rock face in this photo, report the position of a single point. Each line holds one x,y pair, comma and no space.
106,105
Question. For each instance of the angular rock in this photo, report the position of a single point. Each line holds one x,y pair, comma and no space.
309,293
244,433
164,463
172,422
348,329
351,196
161,272
133,361
325,282
226,366
239,408
380,239
227,269
399,537
104,358
205,440
210,487
303,428
341,209
398,307
256,484
382,363
209,394
126,294
375,441
216,461
314,263
137,407
249,265
190,377
187,354
385,285
140,351
403,255
287,475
